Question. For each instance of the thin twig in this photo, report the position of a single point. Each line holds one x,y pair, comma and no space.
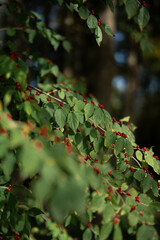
55,98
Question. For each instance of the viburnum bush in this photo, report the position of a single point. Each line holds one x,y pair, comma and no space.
68,170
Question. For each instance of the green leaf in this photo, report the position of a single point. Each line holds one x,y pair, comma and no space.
73,121
92,22
98,35
97,203
147,183
117,234
66,45
28,107
139,155
125,119
107,29
147,233
97,116
79,106
132,7
106,230
11,32
119,145
155,205
60,117
133,218
152,162
108,213
154,187
110,138
128,147
143,17
87,235
8,165
139,174
110,4
83,12
88,110
34,212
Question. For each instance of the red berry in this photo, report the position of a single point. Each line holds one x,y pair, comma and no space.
89,224
53,92
129,194
138,148
102,134
92,102
18,66
156,157
49,61
125,155
101,106
92,12
37,93
133,208
8,115
96,160
113,145
85,101
29,89
137,199
75,91
131,168
89,157
115,220
114,120
120,190
61,104
144,149
110,190
109,197
141,214
99,22
97,170
127,161
44,131
110,173
128,127
38,144
67,89
57,139
48,99
158,184
143,3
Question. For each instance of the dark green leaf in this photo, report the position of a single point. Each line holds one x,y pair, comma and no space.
98,35
107,29
92,22
88,110
132,7
34,212
83,12
119,145
117,234
139,174
60,117
87,235
73,121
147,233
143,17
128,147
106,230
